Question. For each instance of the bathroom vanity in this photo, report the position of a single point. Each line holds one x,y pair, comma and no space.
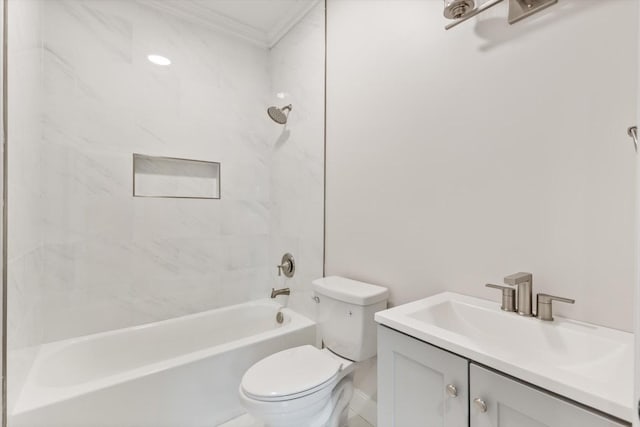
454,360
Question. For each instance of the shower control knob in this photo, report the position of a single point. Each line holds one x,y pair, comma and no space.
452,391
287,265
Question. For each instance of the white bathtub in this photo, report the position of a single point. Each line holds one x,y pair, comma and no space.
177,373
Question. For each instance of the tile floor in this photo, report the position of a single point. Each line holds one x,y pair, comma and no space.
247,421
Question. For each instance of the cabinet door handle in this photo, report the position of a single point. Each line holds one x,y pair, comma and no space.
480,404
452,391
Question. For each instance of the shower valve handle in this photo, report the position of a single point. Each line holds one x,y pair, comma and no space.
287,266
284,266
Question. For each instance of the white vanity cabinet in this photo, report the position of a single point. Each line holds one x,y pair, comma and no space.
499,401
413,391
419,385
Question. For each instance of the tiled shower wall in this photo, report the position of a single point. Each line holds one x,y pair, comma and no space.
25,250
25,241
297,180
104,259
112,260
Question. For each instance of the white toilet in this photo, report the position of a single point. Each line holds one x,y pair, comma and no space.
307,387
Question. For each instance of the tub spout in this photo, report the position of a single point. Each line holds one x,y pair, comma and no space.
276,292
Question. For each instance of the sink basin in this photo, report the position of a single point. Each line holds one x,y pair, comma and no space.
563,343
590,364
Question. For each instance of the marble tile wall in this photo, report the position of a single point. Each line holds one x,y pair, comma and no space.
25,260
87,256
25,249
111,260
297,180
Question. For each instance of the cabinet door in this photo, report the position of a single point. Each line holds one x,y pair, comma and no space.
510,403
412,383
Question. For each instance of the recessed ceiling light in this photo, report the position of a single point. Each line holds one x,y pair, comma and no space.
159,60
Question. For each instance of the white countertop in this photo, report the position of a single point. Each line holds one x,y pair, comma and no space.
590,364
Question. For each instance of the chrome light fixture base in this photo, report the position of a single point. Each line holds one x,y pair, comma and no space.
456,9
520,9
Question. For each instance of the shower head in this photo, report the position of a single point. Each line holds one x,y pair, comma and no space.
278,115
456,9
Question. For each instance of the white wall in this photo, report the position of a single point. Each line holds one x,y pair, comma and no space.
455,158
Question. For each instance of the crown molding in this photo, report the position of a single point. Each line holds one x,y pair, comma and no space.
195,12
289,20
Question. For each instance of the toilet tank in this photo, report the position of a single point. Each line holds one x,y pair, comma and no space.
345,310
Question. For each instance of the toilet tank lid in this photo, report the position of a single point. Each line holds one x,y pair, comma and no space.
350,291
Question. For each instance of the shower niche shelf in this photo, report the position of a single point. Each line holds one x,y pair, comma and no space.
171,177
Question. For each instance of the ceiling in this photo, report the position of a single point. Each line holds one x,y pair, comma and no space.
261,22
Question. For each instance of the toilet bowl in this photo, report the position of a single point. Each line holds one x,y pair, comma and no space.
300,386
308,387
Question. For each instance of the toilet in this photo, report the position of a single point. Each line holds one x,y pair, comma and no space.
308,387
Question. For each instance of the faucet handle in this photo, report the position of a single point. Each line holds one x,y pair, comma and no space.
508,296
545,307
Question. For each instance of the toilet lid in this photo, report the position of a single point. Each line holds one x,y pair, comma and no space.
290,373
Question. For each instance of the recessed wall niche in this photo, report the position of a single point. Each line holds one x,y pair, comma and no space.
170,177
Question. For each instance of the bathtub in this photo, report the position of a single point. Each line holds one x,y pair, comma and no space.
176,373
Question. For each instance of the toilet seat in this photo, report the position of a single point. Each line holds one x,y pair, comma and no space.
291,374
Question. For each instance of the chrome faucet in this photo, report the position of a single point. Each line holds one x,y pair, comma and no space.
524,282
283,291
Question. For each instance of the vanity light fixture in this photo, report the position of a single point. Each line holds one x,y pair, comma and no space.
159,60
462,10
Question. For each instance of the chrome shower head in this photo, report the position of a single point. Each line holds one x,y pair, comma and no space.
456,9
278,115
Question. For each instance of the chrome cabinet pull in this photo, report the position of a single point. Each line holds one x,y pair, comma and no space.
480,404
452,391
